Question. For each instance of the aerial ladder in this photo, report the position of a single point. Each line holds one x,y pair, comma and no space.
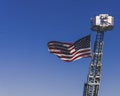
100,24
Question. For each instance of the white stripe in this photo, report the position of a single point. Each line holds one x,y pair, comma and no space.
54,50
58,44
69,49
62,45
78,54
79,50
72,59
85,49
82,57
71,55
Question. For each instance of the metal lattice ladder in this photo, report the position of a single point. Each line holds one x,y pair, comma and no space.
93,81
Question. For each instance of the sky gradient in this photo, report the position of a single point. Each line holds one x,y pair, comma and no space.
26,66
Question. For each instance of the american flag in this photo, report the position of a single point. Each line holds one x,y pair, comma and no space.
71,51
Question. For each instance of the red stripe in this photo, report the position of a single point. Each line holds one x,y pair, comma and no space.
84,50
75,55
88,54
60,44
82,56
73,52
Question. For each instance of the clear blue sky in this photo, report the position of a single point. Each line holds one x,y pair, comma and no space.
26,66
